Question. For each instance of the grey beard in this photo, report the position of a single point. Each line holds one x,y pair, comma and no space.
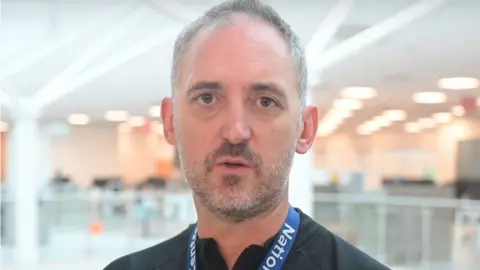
258,206
266,196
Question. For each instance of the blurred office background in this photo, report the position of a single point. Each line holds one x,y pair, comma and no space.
87,175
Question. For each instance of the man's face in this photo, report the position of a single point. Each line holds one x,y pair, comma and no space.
237,118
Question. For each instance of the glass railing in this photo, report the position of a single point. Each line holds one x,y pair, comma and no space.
411,233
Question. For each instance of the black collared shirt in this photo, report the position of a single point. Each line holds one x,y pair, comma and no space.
209,256
315,248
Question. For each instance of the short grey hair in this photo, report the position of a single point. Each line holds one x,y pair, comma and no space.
255,10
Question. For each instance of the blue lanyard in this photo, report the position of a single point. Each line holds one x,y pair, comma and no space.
276,256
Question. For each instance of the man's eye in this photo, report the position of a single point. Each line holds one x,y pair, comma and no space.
266,102
205,98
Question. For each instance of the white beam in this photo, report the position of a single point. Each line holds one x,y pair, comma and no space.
1,13
176,10
17,47
328,28
5,99
29,58
376,32
103,68
56,88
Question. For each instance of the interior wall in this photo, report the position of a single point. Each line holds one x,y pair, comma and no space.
89,152
101,151
86,153
378,155
3,156
143,155
397,154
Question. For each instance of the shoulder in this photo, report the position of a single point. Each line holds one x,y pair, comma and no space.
328,251
154,257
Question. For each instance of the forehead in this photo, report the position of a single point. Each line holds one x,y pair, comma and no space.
243,50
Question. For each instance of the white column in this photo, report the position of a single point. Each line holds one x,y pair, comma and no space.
24,182
301,178
45,172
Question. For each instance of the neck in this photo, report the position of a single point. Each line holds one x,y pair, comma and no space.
231,237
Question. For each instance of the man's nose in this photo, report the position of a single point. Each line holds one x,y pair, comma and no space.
236,128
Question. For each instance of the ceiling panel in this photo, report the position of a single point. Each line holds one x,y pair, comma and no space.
443,43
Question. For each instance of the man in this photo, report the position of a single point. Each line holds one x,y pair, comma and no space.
238,115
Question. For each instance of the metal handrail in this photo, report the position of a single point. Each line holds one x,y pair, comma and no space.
362,198
390,200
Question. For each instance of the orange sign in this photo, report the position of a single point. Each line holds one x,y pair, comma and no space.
96,228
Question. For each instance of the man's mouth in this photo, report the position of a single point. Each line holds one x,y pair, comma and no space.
234,163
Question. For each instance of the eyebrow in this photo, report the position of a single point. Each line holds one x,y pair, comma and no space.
268,87
205,85
255,87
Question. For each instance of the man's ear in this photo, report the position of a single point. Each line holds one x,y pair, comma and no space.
309,130
167,120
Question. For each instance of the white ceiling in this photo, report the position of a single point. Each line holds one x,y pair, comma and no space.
132,72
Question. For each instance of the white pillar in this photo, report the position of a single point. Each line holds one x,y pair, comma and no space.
301,178
45,170
24,182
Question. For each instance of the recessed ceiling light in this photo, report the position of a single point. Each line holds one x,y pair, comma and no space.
347,104
116,116
371,126
364,130
3,126
442,118
426,122
458,111
412,128
78,119
155,111
429,97
325,130
124,128
136,121
338,114
157,127
332,122
395,115
382,121
458,83
358,92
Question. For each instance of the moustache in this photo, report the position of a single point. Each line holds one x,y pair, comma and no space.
233,150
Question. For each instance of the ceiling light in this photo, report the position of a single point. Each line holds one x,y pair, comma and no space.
367,128
78,119
325,131
157,127
458,83
332,122
429,97
336,116
136,121
412,128
155,111
382,121
358,92
395,115
3,126
116,116
363,130
371,125
347,104
124,128
442,117
458,111
426,122
341,113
